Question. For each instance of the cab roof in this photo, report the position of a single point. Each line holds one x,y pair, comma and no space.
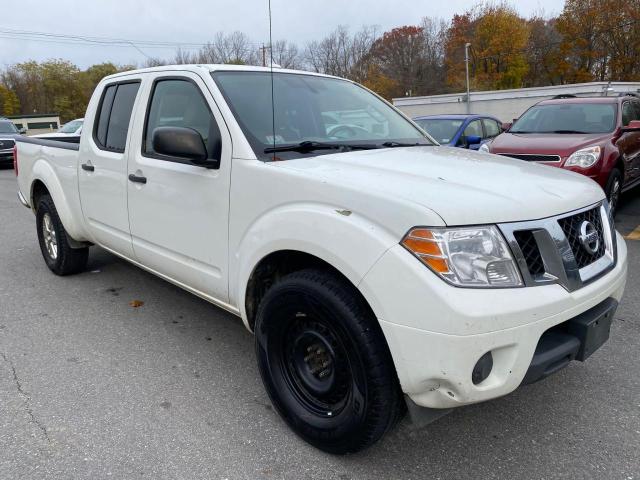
582,100
453,116
208,68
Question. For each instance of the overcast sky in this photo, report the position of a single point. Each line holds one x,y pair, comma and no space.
197,20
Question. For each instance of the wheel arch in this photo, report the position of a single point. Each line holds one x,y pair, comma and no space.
45,181
278,264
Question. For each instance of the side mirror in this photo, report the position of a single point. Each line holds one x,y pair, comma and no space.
183,143
473,140
506,126
634,126
22,131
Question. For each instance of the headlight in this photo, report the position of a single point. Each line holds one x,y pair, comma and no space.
465,256
584,158
484,148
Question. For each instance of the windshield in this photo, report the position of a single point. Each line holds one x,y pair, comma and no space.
567,118
8,127
71,127
310,109
442,129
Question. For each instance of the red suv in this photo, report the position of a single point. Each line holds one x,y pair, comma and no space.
598,137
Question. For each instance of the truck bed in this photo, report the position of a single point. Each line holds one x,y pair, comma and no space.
68,143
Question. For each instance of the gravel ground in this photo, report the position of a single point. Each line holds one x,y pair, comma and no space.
92,388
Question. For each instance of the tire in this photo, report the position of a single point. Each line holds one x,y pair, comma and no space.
56,251
325,363
613,189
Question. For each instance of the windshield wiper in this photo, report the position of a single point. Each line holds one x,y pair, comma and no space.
309,146
400,144
565,131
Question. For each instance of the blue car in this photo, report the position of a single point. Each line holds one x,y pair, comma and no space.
464,131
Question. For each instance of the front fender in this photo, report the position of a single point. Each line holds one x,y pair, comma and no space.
349,242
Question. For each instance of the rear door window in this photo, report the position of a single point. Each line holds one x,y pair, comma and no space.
630,112
491,127
103,116
115,115
473,129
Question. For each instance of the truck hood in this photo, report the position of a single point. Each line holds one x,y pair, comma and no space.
545,143
463,187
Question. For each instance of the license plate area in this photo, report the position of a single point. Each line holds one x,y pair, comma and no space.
592,327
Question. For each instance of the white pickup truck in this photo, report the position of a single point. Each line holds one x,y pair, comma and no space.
378,270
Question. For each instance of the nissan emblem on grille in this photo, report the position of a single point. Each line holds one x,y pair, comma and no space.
589,237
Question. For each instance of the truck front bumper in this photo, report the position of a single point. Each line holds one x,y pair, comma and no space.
437,333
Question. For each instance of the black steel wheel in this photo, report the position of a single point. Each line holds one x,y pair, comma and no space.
56,251
324,362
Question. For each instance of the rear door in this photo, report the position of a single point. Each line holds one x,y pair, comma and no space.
102,169
179,217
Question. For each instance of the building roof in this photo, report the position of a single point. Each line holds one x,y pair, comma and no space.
589,89
33,115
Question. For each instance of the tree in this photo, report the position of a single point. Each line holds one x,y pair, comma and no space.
233,48
340,53
285,54
600,40
543,53
9,103
381,84
498,36
412,57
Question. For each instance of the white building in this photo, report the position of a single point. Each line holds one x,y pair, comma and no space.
506,104
37,123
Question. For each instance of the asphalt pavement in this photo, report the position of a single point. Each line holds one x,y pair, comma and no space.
93,388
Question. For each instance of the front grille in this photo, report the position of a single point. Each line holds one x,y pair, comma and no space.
532,157
550,250
571,228
530,251
6,143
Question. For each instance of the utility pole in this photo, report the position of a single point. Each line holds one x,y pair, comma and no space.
264,55
466,64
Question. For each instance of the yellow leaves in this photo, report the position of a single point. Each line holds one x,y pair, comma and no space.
498,37
381,84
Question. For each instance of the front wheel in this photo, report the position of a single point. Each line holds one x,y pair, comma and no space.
613,190
324,362
56,251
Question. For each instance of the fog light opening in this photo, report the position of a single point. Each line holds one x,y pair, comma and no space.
482,369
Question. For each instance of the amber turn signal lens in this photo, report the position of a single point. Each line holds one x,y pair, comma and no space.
422,243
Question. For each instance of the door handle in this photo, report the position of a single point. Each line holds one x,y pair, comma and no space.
137,179
87,167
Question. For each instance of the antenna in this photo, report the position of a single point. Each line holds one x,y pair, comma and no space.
273,108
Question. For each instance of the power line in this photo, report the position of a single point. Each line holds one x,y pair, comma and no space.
49,37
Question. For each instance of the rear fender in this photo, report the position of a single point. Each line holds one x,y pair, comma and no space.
63,199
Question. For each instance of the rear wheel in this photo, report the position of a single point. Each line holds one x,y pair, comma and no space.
324,362
56,251
613,189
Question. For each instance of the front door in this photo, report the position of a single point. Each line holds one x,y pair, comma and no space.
102,168
629,142
179,216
